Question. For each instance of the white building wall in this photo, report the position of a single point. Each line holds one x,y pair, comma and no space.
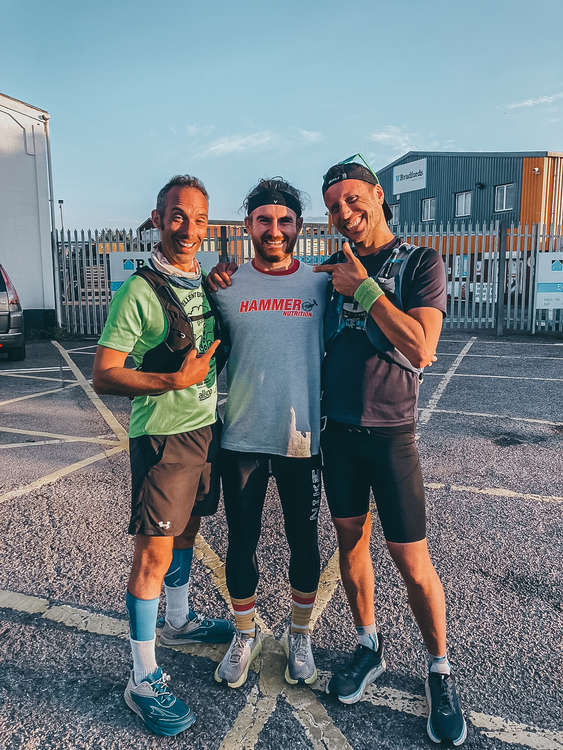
25,227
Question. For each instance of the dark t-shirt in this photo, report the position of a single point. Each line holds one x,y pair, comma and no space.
361,386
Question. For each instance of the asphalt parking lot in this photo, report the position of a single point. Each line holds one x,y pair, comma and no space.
491,429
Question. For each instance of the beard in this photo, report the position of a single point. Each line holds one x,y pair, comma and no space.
273,255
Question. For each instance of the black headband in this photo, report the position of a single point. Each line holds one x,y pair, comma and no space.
274,197
353,171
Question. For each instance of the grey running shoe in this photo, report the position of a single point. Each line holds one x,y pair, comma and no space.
157,705
300,662
241,653
198,629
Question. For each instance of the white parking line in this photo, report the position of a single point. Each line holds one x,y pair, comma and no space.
501,343
446,377
493,492
39,393
56,475
81,348
55,435
502,377
108,416
261,701
501,356
33,377
496,416
42,369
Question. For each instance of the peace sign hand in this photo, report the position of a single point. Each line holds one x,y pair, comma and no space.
346,277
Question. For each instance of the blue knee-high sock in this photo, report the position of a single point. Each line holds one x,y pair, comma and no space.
142,626
142,617
179,571
176,585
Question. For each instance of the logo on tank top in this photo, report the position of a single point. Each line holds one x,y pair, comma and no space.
289,307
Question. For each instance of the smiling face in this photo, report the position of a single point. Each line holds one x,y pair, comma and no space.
356,209
183,226
274,231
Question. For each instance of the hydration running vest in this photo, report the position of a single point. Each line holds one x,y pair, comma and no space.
345,312
170,353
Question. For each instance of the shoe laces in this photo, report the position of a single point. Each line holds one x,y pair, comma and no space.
300,643
162,690
357,658
237,648
446,702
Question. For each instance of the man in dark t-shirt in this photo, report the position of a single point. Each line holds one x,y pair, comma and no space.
383,323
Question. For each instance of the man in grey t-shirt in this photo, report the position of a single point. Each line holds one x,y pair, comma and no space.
273,315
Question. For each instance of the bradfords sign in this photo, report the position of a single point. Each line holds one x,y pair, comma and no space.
549,281
411,176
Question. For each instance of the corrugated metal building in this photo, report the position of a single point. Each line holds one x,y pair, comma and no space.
475,187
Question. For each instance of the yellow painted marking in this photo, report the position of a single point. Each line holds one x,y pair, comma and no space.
517,734
314,719
39,393
55,475
250,721
493,492
32,605
110,419
57,436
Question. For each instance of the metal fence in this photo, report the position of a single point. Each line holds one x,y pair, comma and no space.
490,269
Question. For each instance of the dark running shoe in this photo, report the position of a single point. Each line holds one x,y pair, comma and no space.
364,667
445,719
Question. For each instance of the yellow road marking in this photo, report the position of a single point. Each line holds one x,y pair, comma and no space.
55,475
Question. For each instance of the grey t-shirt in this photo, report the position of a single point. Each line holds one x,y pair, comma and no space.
275,325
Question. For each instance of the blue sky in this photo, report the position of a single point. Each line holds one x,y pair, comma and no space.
232,92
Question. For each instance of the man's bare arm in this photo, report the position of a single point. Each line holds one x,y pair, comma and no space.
110,375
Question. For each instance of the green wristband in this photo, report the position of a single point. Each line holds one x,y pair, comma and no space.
366,294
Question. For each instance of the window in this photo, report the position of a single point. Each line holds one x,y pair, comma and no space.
395,211
504,197
463,203
429,209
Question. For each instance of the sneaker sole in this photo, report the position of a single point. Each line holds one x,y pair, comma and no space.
242,679
430,732
370,677
190,719
287,676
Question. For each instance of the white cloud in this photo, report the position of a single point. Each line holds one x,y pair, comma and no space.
231,144
394,138
536,102
311,136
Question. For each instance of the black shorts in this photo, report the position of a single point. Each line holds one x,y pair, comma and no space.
172,478
385,459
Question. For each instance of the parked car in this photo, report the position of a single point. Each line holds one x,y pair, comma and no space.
11,319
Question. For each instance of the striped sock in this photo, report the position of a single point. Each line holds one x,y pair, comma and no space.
301,610
245,613
367,636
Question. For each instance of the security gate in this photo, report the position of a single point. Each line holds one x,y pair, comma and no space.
493,272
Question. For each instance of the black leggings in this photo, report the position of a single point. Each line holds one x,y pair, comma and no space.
245,479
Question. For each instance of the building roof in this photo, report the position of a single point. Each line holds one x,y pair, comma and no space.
19,101
472,154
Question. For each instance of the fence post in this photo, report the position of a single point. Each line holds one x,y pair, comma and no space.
501,276
224,256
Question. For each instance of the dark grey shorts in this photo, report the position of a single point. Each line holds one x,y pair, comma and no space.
172,478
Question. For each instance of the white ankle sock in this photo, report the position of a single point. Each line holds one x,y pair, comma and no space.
144,659
439,664
176,605
367,636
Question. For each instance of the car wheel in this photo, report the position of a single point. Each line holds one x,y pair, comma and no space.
16,355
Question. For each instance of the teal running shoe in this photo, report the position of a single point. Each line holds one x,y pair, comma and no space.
198,629
157,705
445,717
